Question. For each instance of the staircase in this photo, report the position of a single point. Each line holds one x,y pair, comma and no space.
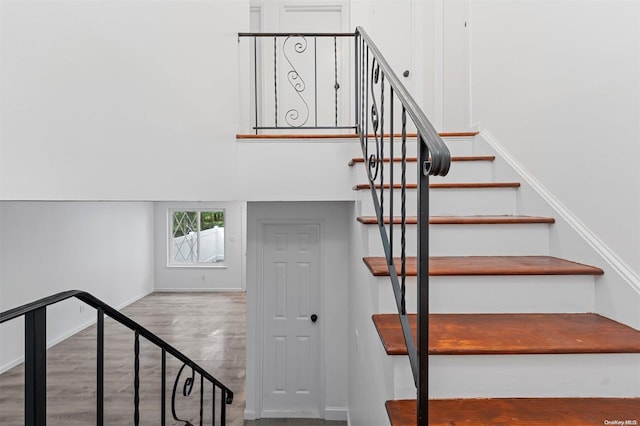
512,337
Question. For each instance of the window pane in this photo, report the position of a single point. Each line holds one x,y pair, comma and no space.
185,238
211,236
192,244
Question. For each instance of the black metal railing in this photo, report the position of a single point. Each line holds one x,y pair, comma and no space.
382,100
296,80
35,408
384,115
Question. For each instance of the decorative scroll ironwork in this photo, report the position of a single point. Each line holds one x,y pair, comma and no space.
186,391
373,159
311,74
293,116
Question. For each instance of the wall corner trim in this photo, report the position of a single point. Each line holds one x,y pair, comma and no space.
604,251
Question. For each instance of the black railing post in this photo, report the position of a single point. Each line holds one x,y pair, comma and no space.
423,281
255,81
223,407
100,369
163,392
35,373
136,379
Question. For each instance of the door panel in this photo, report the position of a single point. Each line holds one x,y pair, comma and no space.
291,268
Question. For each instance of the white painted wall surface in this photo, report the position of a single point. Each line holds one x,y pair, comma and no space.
105,249
370,383
558,84
293,170
119,100
222,276
334,219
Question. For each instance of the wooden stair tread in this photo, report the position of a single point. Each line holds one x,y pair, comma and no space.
486,265
357,160
342,135
491,334
517,411
460,220
441,185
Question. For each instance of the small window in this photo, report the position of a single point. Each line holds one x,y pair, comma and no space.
196,237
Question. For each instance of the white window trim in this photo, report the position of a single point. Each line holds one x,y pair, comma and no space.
169,236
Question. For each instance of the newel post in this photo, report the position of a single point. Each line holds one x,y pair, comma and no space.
35,372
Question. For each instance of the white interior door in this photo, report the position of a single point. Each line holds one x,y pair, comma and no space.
291,298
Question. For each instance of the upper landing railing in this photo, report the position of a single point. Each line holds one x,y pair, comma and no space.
299,83
35,398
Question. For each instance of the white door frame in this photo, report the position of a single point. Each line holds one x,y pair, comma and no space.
259,310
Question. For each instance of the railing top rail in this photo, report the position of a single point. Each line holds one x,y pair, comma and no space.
281,34
440,155
96,303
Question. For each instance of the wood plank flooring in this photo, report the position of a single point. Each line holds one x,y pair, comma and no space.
210,328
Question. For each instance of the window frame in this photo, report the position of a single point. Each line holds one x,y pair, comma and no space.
169,240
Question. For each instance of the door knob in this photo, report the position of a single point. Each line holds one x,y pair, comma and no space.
314,318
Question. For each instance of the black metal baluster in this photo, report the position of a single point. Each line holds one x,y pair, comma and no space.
136,380
315,76
255,80
363,88
366,104
391,214
163,391
403,213
201,397
423,281
356,81
336,86
275,77
35,373
213,405
100,369
223,407
382,153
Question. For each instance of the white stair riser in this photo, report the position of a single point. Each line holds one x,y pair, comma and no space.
496,294
461,171
504,376
469,240
451,201
458,146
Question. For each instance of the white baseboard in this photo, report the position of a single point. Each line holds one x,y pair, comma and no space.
289,414
336,413
617,265
135,299
598,245
250,415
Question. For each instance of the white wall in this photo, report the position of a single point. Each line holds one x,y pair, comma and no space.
369,384
556,90
334,218
225,275
138,98
558,85
105,249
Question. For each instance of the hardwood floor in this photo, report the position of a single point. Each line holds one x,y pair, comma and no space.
210,328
